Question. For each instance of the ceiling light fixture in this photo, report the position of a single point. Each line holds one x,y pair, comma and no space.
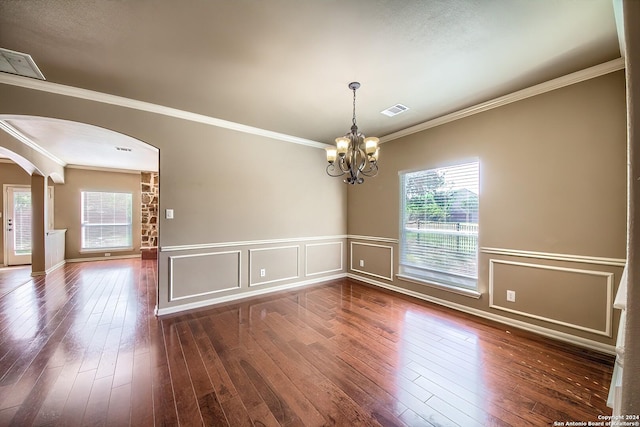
354,154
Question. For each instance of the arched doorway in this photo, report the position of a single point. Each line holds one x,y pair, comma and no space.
79,160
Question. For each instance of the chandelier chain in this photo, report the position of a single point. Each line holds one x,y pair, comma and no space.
354,107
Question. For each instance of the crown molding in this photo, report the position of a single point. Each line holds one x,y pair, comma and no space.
28,142
104,169
560,82
90,95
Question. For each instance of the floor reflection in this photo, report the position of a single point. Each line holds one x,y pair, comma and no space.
441,371
13,277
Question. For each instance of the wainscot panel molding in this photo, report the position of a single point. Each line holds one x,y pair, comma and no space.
381,249
252,293
284,259
561,336
617,262
326,258
232,270
373,239
573,302
220,272
204,246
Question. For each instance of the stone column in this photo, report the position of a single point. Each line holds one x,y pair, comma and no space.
149,223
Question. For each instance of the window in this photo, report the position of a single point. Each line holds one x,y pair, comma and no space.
439,226
106,220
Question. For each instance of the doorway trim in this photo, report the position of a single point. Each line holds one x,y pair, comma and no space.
5,211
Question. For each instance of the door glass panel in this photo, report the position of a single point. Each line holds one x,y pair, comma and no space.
22,222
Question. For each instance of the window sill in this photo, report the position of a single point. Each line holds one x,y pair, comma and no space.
102,250
460,291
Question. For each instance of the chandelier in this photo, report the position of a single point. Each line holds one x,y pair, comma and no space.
354,155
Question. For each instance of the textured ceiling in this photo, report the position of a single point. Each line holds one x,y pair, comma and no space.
284,65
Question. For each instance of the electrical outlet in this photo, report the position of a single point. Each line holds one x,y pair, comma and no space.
263,272
511,296
361,263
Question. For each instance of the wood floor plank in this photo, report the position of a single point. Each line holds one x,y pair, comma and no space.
119,412
81,346
185,398
207,399
96,411
141,393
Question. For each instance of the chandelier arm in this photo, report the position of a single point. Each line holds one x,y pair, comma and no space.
371,171
331,168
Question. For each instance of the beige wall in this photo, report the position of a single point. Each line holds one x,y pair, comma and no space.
10,173
67,213
229,191
553,180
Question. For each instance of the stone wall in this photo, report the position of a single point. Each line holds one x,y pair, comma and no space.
149,200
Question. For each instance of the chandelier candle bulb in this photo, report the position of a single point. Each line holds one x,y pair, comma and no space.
332,153
371,145
342,144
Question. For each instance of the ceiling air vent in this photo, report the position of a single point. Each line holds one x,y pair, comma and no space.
395,110
19,63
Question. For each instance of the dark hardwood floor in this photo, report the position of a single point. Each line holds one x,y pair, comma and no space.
12,277
82,347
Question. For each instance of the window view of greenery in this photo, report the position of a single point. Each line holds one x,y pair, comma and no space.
439,239
22,222
106,220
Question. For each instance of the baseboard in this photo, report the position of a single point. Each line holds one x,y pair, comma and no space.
103,258
549,333
236,297
55,267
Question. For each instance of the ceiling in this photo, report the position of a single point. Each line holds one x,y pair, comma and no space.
284,65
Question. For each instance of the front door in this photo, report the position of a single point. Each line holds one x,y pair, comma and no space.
18,225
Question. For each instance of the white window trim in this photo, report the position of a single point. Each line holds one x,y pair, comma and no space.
460,290
84,250
449,288
102,250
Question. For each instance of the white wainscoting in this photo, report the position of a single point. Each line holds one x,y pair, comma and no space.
283,263
289,274
606,304
309,250
205,287
582,259
385,247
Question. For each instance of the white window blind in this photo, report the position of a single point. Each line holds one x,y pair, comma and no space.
106,220
439,225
